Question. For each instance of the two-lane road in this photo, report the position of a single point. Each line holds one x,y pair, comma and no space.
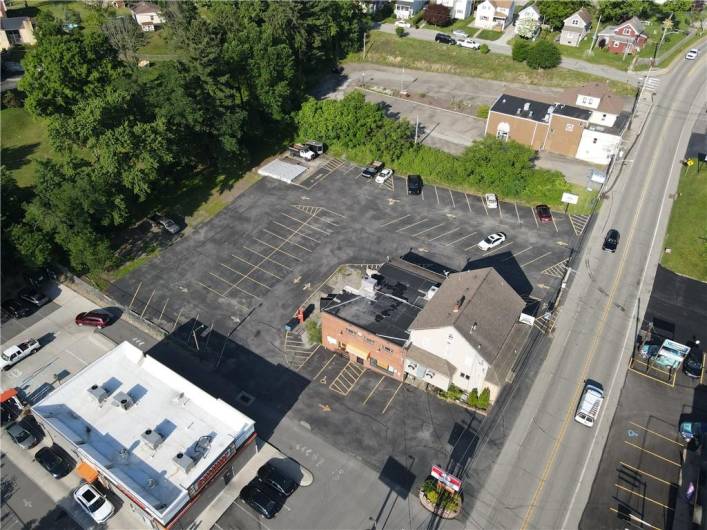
544,472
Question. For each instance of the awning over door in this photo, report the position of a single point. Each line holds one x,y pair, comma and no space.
87,472
363,354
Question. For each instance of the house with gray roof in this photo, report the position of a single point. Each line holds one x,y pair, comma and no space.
576,27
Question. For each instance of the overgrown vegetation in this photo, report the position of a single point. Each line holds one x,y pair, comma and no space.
440,497
314,331
542,54
482,111
479,401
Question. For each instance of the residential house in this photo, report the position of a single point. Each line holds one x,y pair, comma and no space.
494,14
371,6
463,335
14,30
528,13
147,15
575,27
405,9
585,122
458,9
626,38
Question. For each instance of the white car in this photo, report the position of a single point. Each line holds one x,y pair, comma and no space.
460,33
384,175
15,354
491,200
692,54
492,241
469,43
93,503
403,24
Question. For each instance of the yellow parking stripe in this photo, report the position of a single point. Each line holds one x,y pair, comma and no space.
637,470
643,497
656,434
652,453
637,519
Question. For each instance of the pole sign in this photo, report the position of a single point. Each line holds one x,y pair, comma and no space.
445,478
570,198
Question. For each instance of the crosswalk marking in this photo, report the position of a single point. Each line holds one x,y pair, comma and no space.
579,223
558,270
347,378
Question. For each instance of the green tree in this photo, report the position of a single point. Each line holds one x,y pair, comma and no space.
498,165
484,398
554,12
484,48
527,27
544,54
400,32
473,399
520,50
437,14
620,10
126,36
46,25
72,17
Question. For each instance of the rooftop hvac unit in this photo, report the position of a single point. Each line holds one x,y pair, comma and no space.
368,287
123,401
152,438
431,292
184,462
98,392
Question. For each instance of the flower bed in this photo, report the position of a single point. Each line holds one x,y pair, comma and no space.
438,500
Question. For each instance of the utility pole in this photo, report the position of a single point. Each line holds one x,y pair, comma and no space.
594,38
364,44
417,126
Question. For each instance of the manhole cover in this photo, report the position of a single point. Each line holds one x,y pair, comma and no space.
245,398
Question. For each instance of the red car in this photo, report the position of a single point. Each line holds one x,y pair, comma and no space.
93,318
543,213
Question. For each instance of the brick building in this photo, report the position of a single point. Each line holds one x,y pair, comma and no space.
626,38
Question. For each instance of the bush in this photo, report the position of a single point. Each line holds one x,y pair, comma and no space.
473,399
484,399
520,51
484,48
453,393
11,99
400,32
314,331
543,54
417,18
482,111
437,14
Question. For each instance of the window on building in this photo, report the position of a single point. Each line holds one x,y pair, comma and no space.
603,116
386,349
502,135
569,127
350,331
627,31
616,44
373,361
575,22
368,341
594,140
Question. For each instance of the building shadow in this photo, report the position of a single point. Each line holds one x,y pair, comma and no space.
508,268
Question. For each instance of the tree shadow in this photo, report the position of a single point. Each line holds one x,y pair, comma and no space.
15,157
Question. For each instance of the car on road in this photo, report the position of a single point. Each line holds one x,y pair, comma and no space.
97,319
17,308
384,175
55,461
274,478
460,33
372,169
21,435
543,213
692,54
403,24
692,365
32,296
444,39
261,498
469,43
414,184
94,503
491,200
165,222
492,241
611,241
16,353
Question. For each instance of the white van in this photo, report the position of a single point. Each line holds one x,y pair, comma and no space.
589,405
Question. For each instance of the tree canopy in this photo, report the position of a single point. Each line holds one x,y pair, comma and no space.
554,12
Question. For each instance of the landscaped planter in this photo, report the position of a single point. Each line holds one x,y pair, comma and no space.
443,513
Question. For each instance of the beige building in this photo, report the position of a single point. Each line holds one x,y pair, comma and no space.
14,30
147,15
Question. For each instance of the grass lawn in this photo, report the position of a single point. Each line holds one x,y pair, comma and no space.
390,50
463,24
24,140
156,48
596,56
91,18
687,231
489,34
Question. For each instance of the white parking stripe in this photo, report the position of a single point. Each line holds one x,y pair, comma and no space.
446,234
395,221
460,239
468,203
451,197
483,204
517,214
410,226
535,259
427,230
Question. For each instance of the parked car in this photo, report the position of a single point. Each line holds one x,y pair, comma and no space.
543,213
690,430
444,39
97,319
259,497
16,353
414,184
692,364
55,460
491,200
460,33
17,308
469,43
372,169
403,24
38,277
94,503
384,175
611,241
165,222
492,241
33,296
692,54
274,478
22,436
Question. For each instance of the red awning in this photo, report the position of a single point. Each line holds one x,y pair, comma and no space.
7,394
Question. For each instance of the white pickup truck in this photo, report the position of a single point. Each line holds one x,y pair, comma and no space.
589,405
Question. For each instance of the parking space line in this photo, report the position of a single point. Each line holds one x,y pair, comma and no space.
265,258
436,194
446,234
634,518
231,286
500,210
324,367
245,276
535,259
392,398
395,221
451,197
256,267
374,389
516,254
671,385
644,497
301,221
275,249
654,367
483,204
652,453
79,359
656,434
410,226
468,203
515,204
427,230
221,295
460,239
347,378
646,474
535,218
553,223
257,520
293,230
287,239
495,251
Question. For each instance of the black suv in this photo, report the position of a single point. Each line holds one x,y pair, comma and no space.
444,38
17,308
261,498
692,365
414,184
611,241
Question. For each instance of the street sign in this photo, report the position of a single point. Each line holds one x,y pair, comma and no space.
445,478
569,198
597,176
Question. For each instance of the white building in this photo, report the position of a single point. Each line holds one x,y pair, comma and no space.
147,15
494,14
458,9
405,9
530,13
156,440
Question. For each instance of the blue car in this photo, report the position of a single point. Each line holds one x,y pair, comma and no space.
690,430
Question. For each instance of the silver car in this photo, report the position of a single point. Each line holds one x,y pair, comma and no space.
21,436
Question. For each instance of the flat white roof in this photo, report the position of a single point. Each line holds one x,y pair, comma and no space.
281,170
110,437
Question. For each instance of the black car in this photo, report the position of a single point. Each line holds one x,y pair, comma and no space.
444,38
414,184
33,297
55,461
261,498
17,308
38,277
274,478
611,241
692,365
